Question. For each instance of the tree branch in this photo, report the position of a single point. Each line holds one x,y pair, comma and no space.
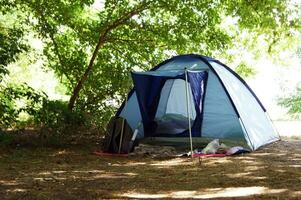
101,41
128,57
55,44
129,40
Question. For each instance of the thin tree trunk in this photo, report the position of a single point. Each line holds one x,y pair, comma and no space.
102,39
80,83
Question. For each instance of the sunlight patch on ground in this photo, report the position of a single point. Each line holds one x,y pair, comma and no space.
146,196
42,179
298,155
296,194
238,175
250,162
280,170
44,173
214,161
262,154
112,176
59,172
130,164
16,190
107,175
85,174
295,166
209,193
244,158
9,183
88,171
253,168
247,175
257,177
173,162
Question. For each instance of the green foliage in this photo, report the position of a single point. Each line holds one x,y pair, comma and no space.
123,36
11,35
293,103
15,99
10,45
5,139
71,30
55,115
244,70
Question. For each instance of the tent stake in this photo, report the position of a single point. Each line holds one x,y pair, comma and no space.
188,112
122,126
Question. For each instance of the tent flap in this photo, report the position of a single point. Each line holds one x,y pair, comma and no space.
197,81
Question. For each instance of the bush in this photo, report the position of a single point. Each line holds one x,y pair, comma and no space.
293,103
56,115
54,123
5,139
15,99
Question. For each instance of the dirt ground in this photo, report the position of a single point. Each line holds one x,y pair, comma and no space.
273,172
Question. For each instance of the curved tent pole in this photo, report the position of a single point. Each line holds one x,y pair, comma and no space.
188,111
204,59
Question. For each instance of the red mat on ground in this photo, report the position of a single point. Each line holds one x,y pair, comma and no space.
101,153
209,155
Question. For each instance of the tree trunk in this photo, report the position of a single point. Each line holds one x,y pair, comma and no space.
80,83
102,39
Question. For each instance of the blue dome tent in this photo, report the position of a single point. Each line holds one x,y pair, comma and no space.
197,97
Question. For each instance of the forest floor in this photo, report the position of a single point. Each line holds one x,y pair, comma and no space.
273,172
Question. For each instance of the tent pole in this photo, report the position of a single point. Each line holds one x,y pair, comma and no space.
188,112
122,126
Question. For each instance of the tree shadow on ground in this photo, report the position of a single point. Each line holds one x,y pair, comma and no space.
74,173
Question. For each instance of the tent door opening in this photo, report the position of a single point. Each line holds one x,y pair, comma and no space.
162,103
171,117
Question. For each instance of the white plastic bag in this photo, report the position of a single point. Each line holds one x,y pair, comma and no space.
212,147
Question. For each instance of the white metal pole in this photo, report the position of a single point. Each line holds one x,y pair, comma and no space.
188,112
122,126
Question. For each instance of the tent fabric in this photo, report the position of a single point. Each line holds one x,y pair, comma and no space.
219,117
174,118
197,80
222,104
176,99
148,89
148,86
182,62
165,93
252,116
132,113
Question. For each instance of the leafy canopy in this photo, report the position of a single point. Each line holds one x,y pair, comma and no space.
93,45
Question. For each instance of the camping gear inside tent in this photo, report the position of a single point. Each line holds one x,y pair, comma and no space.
196,98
